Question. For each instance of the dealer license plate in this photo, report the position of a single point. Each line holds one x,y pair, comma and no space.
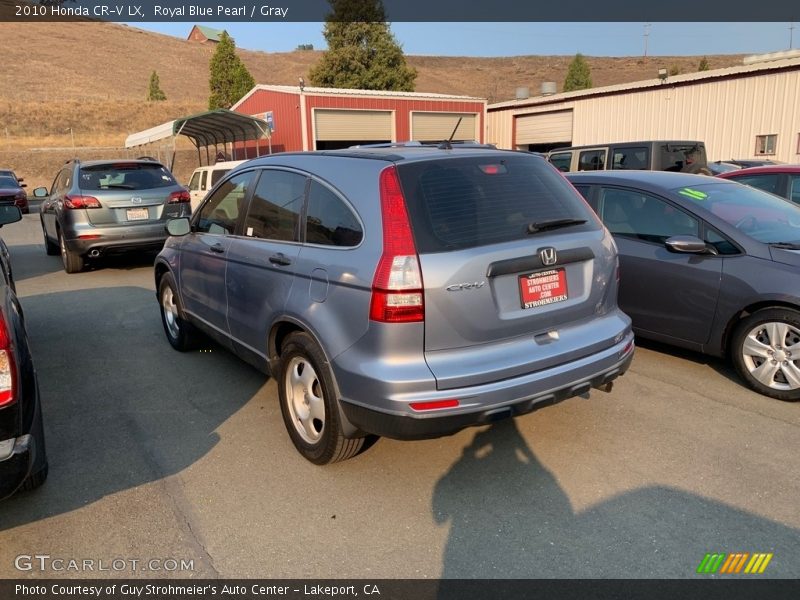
543,287
138,214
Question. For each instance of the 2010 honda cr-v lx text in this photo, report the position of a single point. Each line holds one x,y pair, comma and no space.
400,291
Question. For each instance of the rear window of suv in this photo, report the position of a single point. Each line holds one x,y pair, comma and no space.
125,176
465,202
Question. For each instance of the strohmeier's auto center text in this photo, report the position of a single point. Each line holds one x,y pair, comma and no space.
145,590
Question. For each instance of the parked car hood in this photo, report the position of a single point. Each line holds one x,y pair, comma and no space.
785,256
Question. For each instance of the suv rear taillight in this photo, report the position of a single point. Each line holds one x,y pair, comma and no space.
8,368
20,198
179,197
74,202
397,285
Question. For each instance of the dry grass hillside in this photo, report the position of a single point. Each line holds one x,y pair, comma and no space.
91,78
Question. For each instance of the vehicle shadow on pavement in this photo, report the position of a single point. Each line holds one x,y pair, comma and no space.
523,524
113,421
720,365
27,262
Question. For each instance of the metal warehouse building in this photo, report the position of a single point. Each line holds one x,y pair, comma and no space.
329,118
751,110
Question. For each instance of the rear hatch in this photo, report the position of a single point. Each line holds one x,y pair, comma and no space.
515,267
129,193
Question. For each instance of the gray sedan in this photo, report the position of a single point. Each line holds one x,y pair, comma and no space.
709,265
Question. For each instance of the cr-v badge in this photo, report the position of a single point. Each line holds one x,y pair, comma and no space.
457,287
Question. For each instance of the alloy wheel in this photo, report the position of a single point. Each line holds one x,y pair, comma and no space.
771,352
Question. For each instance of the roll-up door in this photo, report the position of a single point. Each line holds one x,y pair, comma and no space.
436,126
543,128
345,125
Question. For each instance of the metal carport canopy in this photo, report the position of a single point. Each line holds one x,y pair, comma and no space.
220,126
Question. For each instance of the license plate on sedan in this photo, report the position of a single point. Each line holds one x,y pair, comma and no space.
543,287
138,214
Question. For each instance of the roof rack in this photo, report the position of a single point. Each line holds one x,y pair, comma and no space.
439,145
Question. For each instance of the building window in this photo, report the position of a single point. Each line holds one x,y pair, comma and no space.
765,144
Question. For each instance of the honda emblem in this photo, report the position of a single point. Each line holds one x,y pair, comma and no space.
548,256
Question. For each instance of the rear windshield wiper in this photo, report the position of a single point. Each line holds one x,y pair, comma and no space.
118,186
787,245
554,224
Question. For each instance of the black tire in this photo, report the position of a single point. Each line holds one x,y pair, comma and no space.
180,333
51,248
313,420
73,262
759,352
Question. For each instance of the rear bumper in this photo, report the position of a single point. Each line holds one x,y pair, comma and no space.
17,464
116,239
484,404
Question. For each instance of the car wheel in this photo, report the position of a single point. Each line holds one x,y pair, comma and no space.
309,405
181,335
766,352
49,247
73,263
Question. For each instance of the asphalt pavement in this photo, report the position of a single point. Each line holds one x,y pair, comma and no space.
181,463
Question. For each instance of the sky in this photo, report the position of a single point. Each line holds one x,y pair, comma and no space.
515,39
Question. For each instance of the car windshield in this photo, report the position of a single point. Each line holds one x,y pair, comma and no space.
125,176
7,182
760,215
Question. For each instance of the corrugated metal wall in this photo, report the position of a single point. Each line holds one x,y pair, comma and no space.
726,114
286,108
286,115
402,108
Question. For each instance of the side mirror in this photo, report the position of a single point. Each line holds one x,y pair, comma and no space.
40,192
9,214
178,226
689,244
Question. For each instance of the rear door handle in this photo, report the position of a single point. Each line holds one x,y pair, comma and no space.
218,248
280,259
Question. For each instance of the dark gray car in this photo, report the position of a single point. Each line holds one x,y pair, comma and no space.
100,207
710,265
405,292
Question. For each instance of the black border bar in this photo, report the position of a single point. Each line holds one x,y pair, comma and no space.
272,11
734,588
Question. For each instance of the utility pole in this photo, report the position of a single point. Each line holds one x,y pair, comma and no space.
791,34
72,136
645,36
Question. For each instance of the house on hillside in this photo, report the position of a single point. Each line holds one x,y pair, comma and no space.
203,34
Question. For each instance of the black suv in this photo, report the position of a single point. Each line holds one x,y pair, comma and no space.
23,460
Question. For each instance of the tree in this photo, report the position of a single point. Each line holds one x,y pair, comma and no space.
674,70
229,79
579,76
362,52
703,66
154,92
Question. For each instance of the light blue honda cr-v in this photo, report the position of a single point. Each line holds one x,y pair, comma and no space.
400,291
